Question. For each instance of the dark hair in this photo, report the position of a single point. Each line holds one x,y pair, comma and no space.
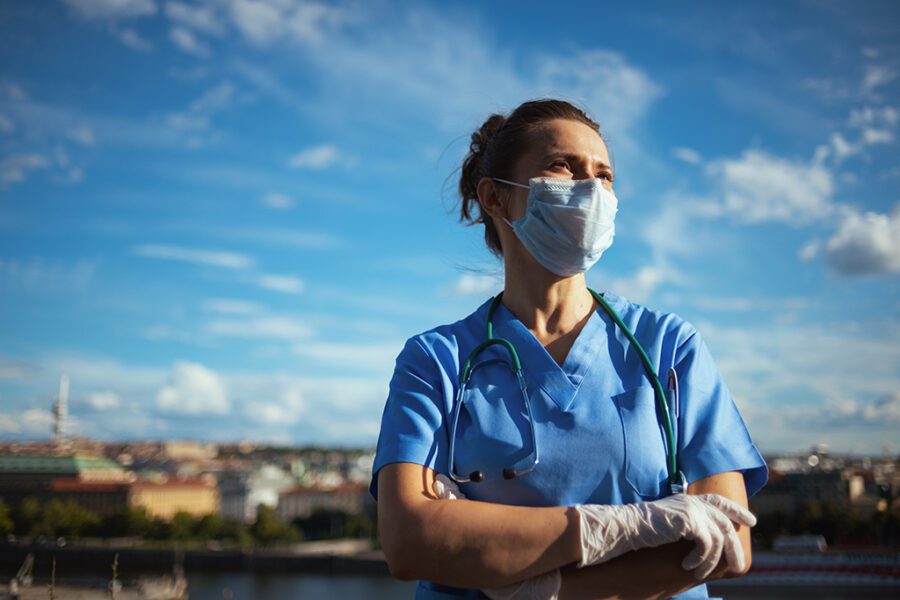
495,148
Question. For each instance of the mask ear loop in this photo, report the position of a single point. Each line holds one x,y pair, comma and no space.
527,187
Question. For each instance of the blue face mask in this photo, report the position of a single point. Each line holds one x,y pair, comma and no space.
568,224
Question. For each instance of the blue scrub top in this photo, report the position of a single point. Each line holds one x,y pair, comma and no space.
595,416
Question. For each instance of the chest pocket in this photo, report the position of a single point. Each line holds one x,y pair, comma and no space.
645,453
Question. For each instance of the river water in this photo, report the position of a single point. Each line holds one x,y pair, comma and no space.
255,586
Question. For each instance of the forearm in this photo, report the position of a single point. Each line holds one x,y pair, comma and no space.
482,545
640,575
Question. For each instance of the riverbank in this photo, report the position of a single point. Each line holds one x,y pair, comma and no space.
774,575
336,557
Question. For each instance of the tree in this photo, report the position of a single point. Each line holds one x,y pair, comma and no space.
26,515
182,526
267,528
6,522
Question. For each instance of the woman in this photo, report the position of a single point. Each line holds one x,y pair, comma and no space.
561,480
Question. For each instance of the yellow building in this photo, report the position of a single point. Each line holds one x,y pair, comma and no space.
164,498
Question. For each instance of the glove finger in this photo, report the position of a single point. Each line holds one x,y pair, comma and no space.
445,488
732,509
691,560
711,559
713,521
734,549
704,545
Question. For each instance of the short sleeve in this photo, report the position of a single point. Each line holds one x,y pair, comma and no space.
412,425
712,436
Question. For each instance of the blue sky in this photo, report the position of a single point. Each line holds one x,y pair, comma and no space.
223,218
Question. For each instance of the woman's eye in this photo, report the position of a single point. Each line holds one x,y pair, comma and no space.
560,164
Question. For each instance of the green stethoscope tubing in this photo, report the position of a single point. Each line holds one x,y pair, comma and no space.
676,477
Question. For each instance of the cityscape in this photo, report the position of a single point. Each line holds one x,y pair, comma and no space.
848,501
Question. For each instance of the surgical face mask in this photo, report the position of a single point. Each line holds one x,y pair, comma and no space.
568,224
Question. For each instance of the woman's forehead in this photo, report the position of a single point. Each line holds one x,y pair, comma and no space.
569,138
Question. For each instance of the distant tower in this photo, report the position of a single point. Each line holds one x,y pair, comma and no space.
61,411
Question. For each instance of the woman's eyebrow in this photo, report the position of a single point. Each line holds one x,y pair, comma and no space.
574,158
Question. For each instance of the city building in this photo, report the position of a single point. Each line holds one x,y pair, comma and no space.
301,502
165,497
241,493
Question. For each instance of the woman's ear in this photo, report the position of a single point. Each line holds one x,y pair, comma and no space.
492,202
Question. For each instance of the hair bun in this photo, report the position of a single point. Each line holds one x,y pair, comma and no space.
482,138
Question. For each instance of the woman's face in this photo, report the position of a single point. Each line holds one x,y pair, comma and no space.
560,148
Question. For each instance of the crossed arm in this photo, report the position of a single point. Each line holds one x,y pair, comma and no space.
473,544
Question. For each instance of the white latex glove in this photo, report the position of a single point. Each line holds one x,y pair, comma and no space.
608,531
542,587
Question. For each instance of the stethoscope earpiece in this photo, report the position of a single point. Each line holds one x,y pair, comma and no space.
509,473
476,476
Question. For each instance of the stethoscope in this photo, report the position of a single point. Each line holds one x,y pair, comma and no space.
677,481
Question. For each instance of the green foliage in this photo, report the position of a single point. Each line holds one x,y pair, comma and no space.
181,527
131,522
331,524
66,519
26,515
267,528
6,522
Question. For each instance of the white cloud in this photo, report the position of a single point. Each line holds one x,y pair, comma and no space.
619,103
317,157
40,275
14,168
260,22
640,285
810,250
185,40
105,400
97,372
473,284
215,258
760,187
281,283
6,125
12,370
866,244
372,357
877,76
284,407
9,424
133,40
193,390
687,155
277,201
197,17
84,135
873,115
277,327
36,421
784,375
264,23
112,9
877,136
231,306
840,148
196,120
13,91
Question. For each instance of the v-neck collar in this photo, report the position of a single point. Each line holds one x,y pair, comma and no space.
559,382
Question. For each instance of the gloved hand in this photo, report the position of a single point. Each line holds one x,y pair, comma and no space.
608,531
541,587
